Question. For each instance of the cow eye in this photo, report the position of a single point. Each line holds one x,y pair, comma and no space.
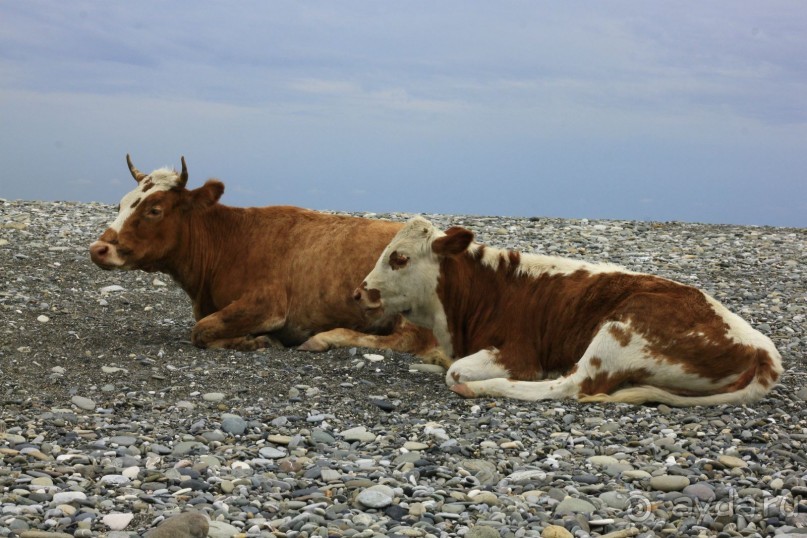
397,261
155,211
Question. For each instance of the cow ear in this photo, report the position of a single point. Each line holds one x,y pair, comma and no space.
209,193
455,240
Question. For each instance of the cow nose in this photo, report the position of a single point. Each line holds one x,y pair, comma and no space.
357,293
99,249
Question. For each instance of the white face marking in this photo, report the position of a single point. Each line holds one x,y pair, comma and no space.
411,289
163,179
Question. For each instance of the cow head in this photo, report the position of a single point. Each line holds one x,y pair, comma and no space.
150,219
404,280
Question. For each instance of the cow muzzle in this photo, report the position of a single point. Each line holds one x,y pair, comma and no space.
368,299
105,255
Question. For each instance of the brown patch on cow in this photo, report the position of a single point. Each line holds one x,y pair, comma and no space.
620,335
595,362
374,296
397,261
134,204
766,373
608,382
148,184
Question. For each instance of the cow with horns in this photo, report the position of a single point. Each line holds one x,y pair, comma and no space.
256,276
613,335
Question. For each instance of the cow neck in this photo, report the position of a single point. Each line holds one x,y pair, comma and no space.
203,246
471,292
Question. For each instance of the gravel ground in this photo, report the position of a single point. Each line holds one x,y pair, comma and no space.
112,422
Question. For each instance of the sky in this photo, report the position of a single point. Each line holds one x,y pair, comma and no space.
688,111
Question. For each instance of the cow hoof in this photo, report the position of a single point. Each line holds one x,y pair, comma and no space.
313,344
463,390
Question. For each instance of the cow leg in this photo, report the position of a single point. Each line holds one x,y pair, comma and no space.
481,365
241,325
606,364
406,338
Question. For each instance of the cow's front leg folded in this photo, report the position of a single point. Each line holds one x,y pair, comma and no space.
243,325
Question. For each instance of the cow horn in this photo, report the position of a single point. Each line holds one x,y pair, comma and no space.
183,177
137,174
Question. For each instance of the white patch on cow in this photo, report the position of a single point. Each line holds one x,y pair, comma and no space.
536,265
481,365
163,179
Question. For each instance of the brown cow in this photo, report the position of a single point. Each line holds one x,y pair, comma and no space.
614,335
257,276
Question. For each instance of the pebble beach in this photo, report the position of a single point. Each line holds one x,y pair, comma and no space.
112,424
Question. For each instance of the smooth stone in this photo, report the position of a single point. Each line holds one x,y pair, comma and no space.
271,453
359,433
185,525
83,403
637,474
667,482
117,522
279,439
523,477
414,445
66,497
486,497
732,462
42,481
615,499
427,368
123,440
44,534
701,491
213,396
116,480
378,496
220,529
570,505
186,447
556,531
602,461
110,289
233,424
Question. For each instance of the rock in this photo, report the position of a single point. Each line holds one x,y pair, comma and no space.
359,433
570,505
376,496
701,491
668,482
732,462
117,522
482,531
83,403
185,525
556,531
233,424
220,529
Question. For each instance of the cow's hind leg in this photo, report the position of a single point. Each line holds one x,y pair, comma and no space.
241,325
609,362
406,338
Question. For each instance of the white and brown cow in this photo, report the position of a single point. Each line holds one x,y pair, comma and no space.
612,335
257,276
